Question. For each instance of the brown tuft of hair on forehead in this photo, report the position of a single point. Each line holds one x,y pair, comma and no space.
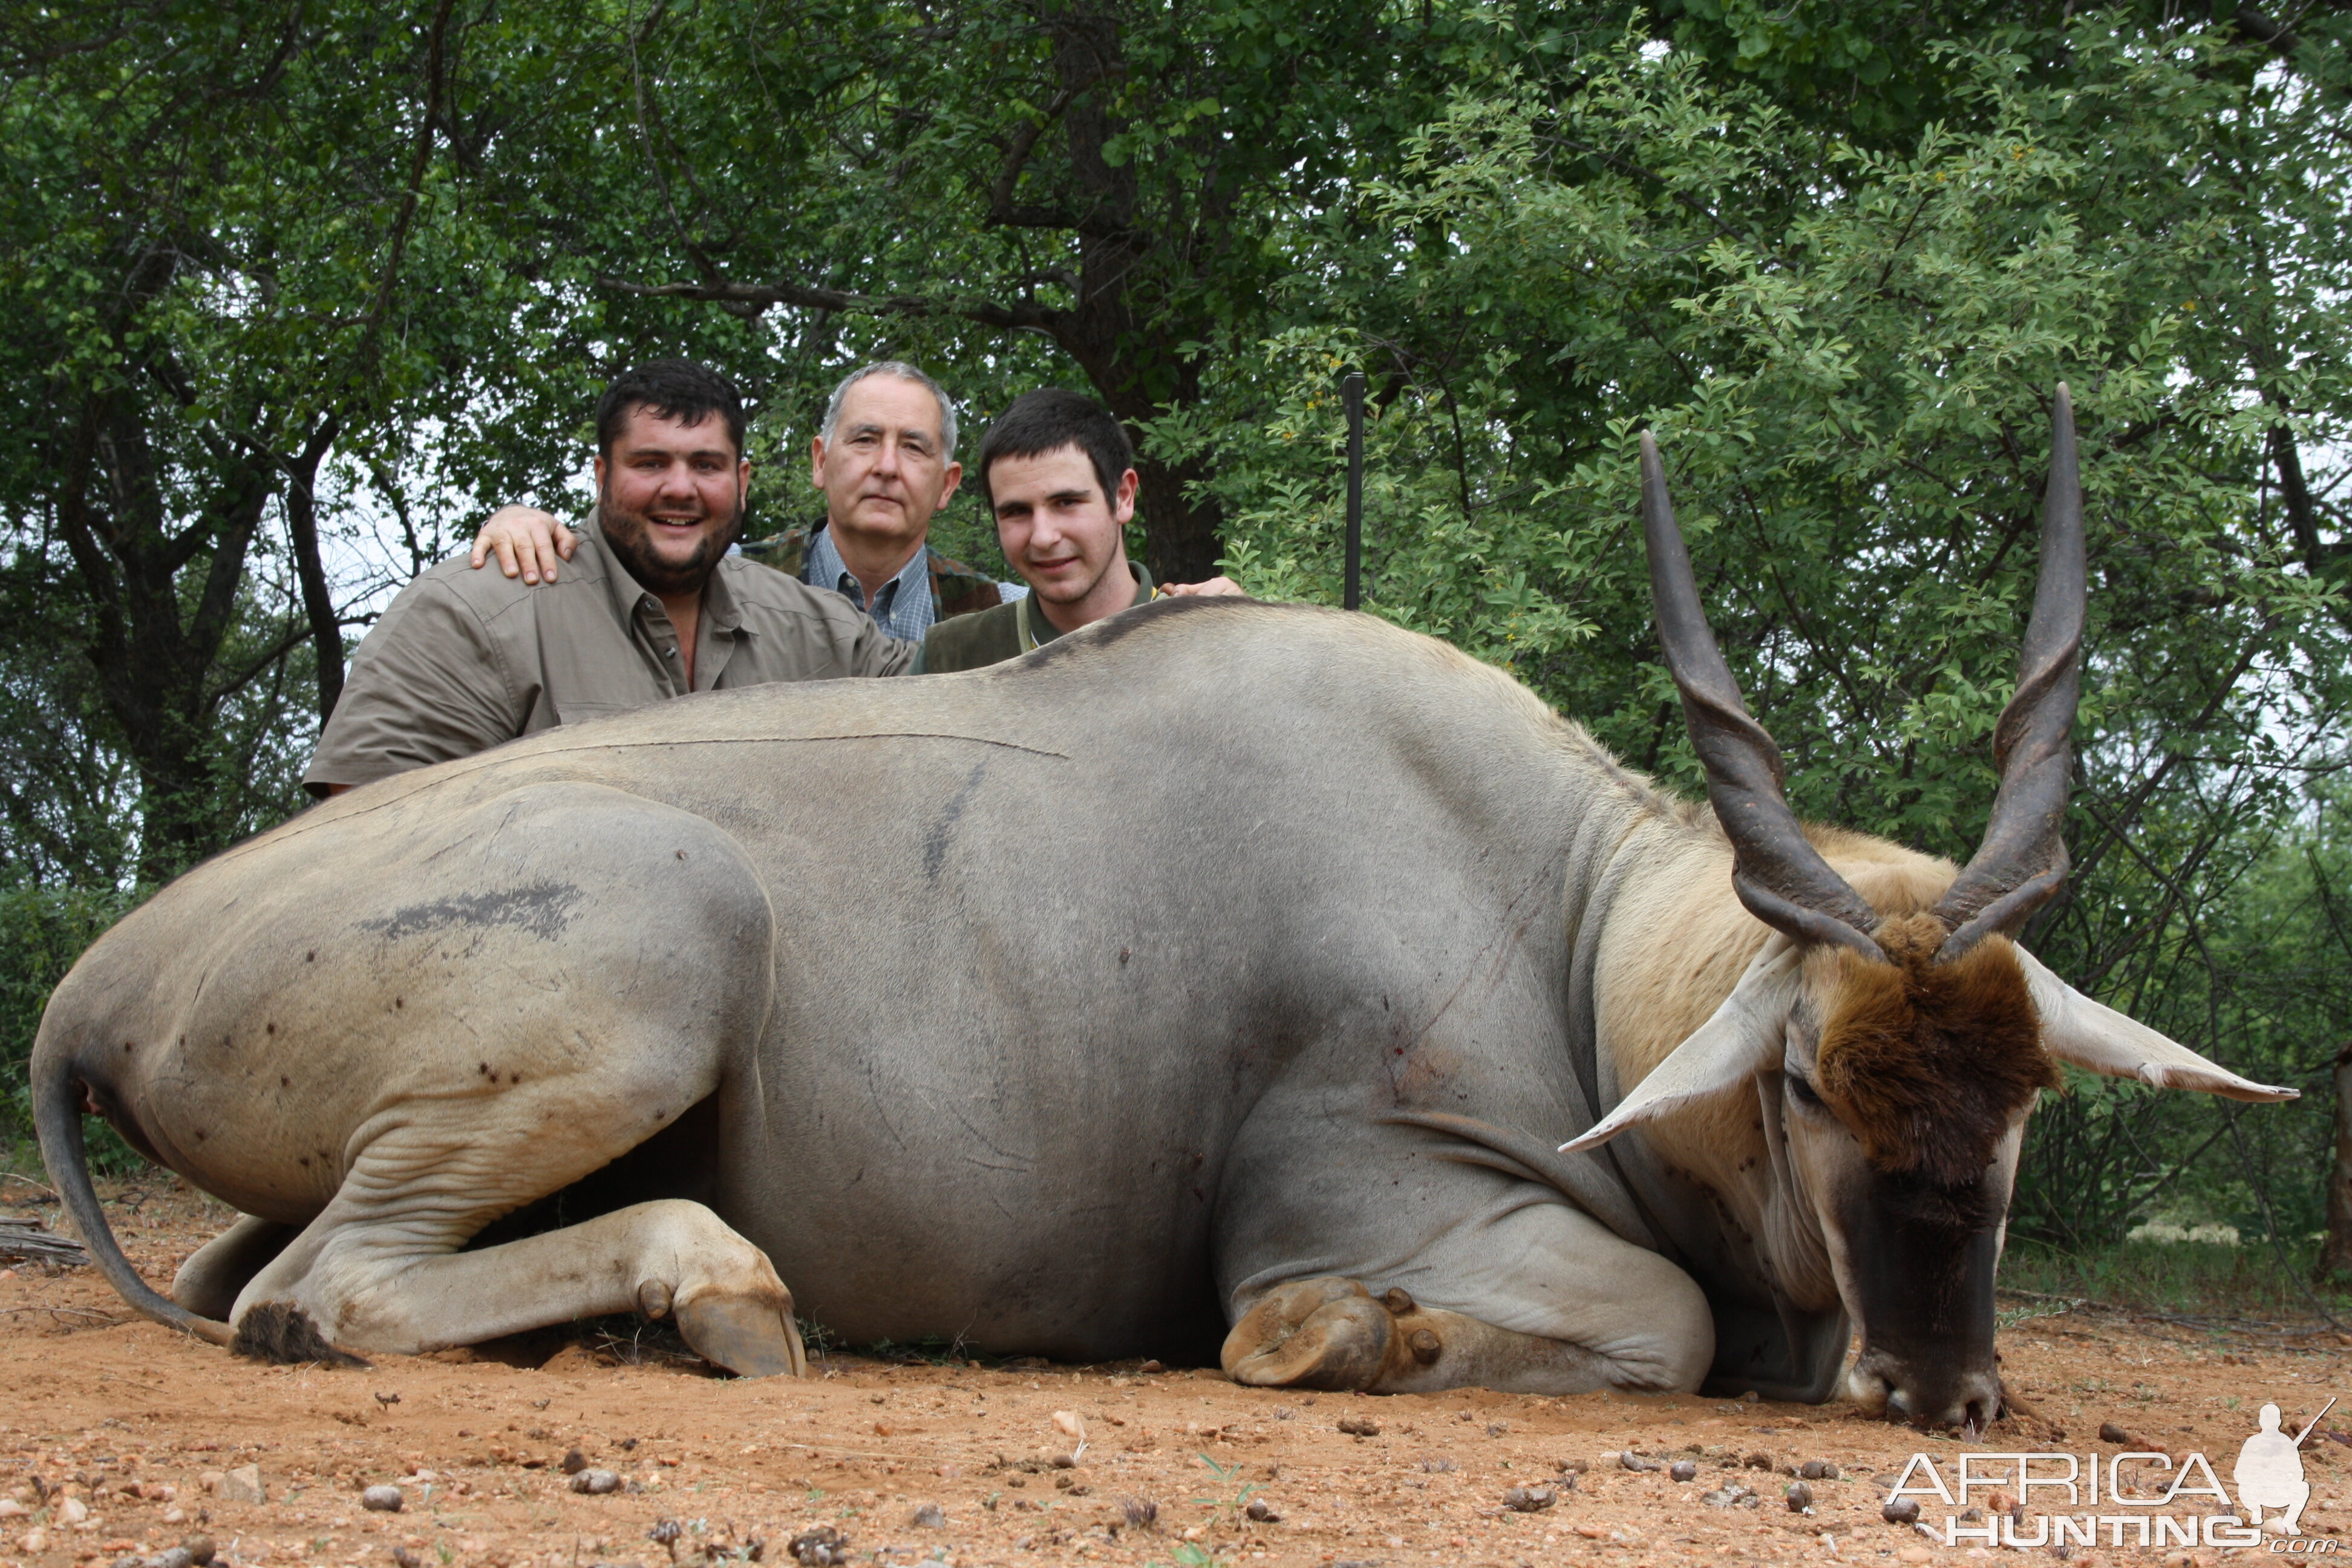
1928,1061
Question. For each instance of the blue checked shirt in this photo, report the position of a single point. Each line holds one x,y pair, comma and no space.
904,608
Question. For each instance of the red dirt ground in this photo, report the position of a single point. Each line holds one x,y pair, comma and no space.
134,1428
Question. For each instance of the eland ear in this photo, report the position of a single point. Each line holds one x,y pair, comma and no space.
1742,1038
2099,1040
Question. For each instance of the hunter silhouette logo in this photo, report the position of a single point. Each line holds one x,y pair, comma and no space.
2270,1471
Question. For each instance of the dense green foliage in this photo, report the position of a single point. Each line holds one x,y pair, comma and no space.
42,932
316,284
244,264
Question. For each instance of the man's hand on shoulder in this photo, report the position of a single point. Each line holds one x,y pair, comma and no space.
1215,588
528,542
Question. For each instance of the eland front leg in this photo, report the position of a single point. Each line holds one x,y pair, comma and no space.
1336,1334
1541,1299
1375,1258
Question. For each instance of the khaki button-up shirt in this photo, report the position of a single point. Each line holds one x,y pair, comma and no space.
467,659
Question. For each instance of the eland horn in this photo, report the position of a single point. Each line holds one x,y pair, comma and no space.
1777,872
2021,863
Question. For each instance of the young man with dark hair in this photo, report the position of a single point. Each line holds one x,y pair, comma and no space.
653,605
1058,474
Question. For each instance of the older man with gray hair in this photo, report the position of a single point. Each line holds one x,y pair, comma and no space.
885,458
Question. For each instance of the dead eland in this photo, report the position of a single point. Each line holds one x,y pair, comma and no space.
1224,970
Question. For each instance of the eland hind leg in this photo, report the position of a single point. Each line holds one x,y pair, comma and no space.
577,967
216,1273
381,1271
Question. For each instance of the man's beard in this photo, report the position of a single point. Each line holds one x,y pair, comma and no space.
630,534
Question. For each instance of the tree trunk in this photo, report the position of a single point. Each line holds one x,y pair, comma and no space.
1183,538
2335,1252
179,820
318,603
163,605
1136,373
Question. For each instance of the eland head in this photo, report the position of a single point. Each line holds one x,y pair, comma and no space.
1896,1054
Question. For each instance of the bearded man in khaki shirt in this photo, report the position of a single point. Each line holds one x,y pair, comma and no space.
653,605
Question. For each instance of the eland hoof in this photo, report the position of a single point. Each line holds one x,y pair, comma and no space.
747,1336
1329,1334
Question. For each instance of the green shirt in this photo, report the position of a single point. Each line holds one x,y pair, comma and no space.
992,636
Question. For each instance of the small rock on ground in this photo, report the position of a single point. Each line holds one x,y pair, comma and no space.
820,1547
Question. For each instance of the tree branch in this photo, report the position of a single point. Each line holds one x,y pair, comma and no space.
260,664
2301,516
694,252
757,297
76,520
238,512
318,605
2127,816
1684,197
1001,210
420,153
2279,38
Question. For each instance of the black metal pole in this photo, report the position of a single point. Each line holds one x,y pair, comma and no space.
1351,388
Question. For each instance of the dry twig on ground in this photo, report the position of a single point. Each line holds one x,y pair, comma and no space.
30,1241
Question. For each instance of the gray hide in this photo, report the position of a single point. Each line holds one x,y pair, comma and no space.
1063,1008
